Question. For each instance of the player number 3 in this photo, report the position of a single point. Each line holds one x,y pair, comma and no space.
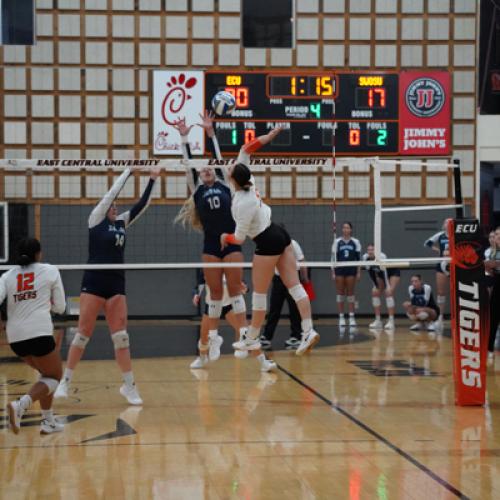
119,240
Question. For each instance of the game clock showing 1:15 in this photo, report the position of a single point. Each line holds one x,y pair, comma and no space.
364,108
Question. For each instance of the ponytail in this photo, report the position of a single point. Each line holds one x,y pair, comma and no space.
27,251
188,215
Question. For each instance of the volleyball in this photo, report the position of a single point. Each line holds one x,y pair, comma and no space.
223,103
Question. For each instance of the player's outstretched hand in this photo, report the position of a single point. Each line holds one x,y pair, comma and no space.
266,139
181,126
207,122
154,172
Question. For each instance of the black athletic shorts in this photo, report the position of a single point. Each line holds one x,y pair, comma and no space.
103,284
272,241
346,271
211,246
224,311
37,346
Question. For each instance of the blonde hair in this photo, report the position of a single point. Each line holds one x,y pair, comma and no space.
188,215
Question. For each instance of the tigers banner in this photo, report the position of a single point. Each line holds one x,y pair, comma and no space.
470,312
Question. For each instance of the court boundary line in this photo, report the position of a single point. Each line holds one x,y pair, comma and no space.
377,436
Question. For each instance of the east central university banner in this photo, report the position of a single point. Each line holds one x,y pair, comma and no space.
424,113
470,312
177,94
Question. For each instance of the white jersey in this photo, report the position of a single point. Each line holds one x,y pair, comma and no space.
299,256
32,292
251,214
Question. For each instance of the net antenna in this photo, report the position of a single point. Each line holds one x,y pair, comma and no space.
389,165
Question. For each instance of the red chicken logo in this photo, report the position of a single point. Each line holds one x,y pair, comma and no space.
466,256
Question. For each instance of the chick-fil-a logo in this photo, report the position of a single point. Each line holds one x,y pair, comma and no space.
176,97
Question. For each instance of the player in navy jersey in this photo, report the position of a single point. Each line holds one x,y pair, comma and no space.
106,289
384,282
439,242
421,307
209,210
345,249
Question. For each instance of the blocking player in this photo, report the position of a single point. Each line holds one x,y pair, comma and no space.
105,290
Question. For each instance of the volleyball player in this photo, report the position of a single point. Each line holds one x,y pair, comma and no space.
209,209
33,290
421,307
345,249
273,249
384,282
227,313
439,242
492,265
105,290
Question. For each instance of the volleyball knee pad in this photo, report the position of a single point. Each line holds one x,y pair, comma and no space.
376,301
259,301
238,303
297,292
441,299
215,309
340,299
389,301
422,316
51,383
120,340
351,299
80,341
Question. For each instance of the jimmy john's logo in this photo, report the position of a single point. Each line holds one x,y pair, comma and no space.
425,97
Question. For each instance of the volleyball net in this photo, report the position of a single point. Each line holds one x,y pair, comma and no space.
393,204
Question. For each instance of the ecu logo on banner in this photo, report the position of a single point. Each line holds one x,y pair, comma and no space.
470,312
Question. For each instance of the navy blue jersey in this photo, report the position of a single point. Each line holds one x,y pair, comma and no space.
106,238
344,251
439,240
213,204
422,297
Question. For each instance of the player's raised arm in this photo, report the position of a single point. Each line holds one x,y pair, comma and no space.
130,216
191,173
99,213
253,146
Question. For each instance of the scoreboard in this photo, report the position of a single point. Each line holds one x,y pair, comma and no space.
364,107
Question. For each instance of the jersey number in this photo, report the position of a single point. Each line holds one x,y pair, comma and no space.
25,282
119,240
214,202
346,254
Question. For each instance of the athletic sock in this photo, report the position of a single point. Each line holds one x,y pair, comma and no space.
25,402
48,414
128,378
306,325
253,332
212,334
68,375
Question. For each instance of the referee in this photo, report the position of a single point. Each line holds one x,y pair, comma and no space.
279,293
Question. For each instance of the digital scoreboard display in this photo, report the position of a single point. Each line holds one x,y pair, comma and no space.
364,107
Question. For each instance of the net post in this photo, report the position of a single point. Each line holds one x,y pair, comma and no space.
377,200
459,211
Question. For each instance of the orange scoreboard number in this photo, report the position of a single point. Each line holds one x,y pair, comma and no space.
354,137
240,94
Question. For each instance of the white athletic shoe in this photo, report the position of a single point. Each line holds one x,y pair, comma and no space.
438,325
268,366
214,344
62,390
15,413
341,320
416,326
199,362
376,325
390,325
430,326
246,343
309,340
50,426
131,394
240,354
352,321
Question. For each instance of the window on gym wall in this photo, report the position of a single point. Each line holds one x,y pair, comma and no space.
17,22
267,23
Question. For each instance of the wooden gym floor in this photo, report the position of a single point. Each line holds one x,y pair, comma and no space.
363,417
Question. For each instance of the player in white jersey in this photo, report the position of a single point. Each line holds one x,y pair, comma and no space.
32,291
273,249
